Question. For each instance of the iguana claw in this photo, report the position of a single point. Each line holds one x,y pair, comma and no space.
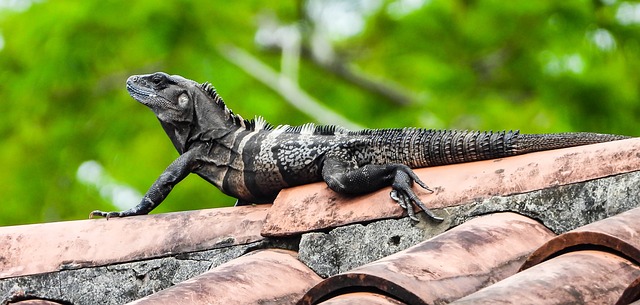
404,195
404,203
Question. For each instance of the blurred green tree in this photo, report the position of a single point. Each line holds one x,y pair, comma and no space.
539,66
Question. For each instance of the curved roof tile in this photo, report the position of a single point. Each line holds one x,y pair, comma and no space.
361,298
619,233
97,242
260,277
580,277
448,266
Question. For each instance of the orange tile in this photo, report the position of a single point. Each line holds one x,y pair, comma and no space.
619,233
261,277
361,298
447,267
48,247
631,294
580,277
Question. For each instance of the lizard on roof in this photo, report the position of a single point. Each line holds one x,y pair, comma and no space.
252,160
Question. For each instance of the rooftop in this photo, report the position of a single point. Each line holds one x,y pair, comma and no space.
554,227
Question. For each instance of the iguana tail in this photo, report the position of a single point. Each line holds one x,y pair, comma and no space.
422,148
527,143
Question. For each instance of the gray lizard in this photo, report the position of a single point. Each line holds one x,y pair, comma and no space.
252,161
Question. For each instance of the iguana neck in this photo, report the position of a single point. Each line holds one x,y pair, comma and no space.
211,120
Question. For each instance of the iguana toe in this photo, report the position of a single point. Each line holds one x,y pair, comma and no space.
402,188
404,203
106,215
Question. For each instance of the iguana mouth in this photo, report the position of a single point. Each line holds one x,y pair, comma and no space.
148,97
138,93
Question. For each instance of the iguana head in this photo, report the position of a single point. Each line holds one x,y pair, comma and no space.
186,109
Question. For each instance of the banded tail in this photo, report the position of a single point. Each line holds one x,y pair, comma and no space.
422,148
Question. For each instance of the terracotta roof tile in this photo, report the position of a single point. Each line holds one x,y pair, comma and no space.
362,298
580,277
630,294
261,277
620,234
569,268
452,265
314,207
39,248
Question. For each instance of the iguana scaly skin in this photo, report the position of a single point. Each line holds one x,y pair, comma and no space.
252,160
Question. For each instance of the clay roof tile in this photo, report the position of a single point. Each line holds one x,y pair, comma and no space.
448,266
580,277
361,298
40,248
261,277
619,233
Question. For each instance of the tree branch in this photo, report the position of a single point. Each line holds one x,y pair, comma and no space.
380,87
284,86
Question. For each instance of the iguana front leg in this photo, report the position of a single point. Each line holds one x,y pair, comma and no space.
343,177
174,173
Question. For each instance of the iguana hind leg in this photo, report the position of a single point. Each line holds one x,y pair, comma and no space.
344,177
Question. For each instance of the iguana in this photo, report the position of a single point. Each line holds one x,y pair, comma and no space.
252,160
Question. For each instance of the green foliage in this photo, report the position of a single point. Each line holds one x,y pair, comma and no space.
538,66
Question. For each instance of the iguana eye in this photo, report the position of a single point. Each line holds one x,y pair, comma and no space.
183,100
156,79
